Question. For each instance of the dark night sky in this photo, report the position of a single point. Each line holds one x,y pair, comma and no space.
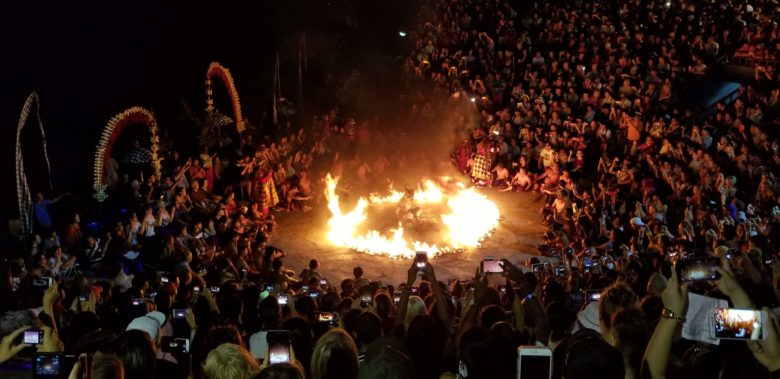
91,60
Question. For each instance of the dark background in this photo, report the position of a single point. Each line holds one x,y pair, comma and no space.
91,60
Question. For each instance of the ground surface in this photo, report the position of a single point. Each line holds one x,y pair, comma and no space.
302,237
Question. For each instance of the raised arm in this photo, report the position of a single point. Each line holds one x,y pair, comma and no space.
675,298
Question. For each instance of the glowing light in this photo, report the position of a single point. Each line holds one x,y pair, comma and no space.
402,33
471,218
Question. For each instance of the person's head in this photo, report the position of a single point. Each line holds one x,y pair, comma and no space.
335,357
106,366
358,272
630,335
138,353
368,327
269,313
383,304
613,299
313,264
415,308
588,353
229,361
491,315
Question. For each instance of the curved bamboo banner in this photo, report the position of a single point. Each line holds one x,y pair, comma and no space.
110,134
216,69
22,188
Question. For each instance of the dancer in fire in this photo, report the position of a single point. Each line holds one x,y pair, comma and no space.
407,209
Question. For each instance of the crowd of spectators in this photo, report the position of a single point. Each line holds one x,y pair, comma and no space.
577,101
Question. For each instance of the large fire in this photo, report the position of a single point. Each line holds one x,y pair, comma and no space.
470,217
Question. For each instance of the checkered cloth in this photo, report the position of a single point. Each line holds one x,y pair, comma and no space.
139,155
481,168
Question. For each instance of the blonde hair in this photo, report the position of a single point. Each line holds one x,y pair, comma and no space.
415,308
335,356
230,361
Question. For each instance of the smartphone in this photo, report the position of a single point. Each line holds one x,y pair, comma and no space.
769,261
278,346
738,324
305,289
214,289
179,313
560,270
244,274
196,289
164,279
323,282
82,297
422,260
172,345
415,290
365,300
138,301
282,299
537,268
41,283
534,362
314,294
324,316
587,262
397,297
183,344
490,266
593,296
270,287
698,269
33,337
47,365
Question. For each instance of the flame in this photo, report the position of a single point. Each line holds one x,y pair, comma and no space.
472,217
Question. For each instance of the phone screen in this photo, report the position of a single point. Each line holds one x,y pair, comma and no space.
694,270
282,299
179,313
422,260
491,266
738,324
535,367
592,296
278,346
47,365
33,337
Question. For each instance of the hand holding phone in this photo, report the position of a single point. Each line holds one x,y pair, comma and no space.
278,346
421,258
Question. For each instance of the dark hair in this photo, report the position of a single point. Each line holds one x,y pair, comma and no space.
384,305
368,327
491,315
268,312
357,271
313,264
280,371
426,339
106,366
613,299
632,334
138,353
587,353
